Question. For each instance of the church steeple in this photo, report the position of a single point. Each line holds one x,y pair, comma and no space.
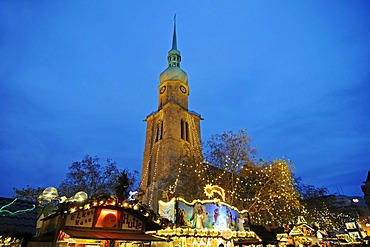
173,132
174,56
173,85
174,40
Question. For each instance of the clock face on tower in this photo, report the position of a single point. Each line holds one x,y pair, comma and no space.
163,89
182,89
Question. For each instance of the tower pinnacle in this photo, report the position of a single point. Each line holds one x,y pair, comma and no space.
174,40
174,56
173,71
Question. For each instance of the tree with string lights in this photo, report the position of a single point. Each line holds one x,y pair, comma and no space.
323,210
268,192
229,152
265,189
186,181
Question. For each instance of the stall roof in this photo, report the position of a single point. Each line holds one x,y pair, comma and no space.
266,236
91,234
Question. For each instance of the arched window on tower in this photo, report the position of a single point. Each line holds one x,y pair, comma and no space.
184,129
159,131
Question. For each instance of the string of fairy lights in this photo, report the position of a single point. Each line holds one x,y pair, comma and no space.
4,211
152,185
195,138
145,176
69,208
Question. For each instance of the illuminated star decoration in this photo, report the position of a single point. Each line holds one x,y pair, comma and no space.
210,190
131,195
5,212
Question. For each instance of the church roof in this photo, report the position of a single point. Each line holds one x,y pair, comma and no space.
174,74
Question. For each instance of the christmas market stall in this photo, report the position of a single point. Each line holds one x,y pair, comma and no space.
354,235
103,221
303,234
202,223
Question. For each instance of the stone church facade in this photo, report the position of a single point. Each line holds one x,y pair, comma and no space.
172,132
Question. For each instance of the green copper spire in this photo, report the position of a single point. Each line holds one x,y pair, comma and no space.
174,56
174,40
174,72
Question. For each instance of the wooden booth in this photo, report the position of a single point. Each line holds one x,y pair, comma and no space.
101,222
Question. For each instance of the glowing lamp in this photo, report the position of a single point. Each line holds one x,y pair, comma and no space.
80,196
109,220
50,193
226,233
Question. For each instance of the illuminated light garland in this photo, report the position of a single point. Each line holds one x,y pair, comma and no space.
152,185
210,190
108,202
186,232
5,212
146,172
149,188
195,137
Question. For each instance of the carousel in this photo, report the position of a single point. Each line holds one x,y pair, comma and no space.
204,223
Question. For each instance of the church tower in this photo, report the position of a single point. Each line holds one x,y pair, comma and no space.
172,131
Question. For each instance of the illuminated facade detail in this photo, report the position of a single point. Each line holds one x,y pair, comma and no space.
172,133
211,190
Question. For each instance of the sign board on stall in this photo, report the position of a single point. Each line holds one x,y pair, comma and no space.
131,223
81,218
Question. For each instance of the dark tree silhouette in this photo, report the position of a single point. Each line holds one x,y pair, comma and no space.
126,182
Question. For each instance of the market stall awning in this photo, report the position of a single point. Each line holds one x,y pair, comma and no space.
109,235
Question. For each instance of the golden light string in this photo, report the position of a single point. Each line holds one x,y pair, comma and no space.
195,136
152,185
146,174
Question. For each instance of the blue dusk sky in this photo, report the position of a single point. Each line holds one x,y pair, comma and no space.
79,77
